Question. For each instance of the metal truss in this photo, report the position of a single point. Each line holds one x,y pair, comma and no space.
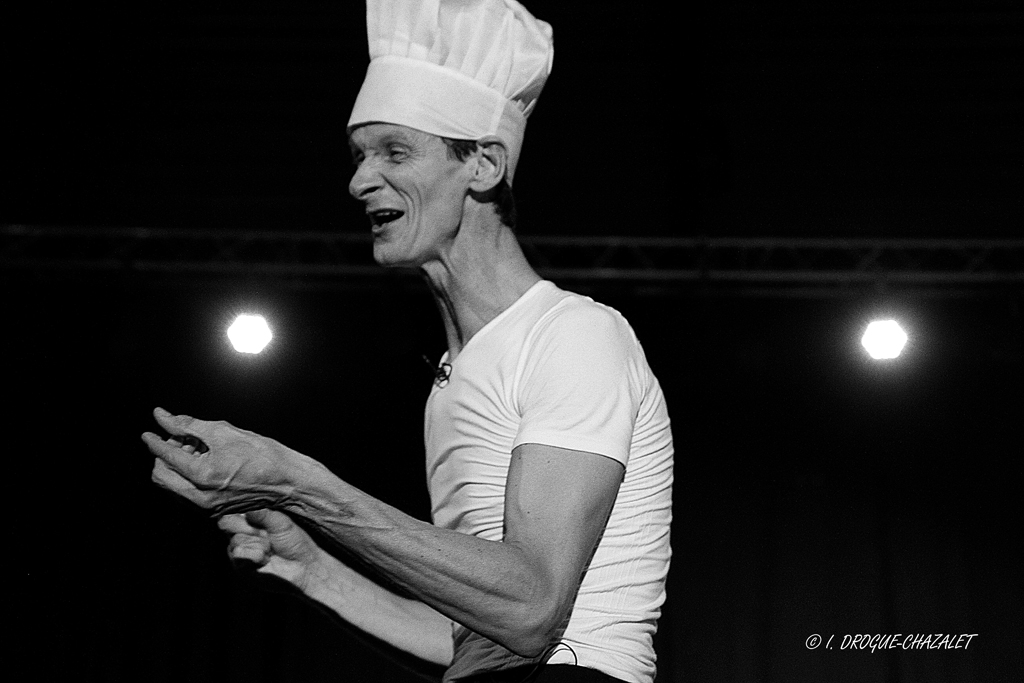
729,266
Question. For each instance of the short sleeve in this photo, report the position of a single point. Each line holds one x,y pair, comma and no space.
579,385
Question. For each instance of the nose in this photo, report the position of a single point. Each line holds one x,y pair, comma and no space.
365,181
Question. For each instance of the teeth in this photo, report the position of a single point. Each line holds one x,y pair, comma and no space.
385,216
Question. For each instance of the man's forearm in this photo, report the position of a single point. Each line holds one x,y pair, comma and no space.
491,588
408,625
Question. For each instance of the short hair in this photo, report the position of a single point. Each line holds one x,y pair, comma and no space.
504,201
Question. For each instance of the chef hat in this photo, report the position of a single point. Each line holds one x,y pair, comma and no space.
459,69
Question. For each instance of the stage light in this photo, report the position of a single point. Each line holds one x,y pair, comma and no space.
249,333
884,339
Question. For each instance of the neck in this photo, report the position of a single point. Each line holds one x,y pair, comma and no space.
481,273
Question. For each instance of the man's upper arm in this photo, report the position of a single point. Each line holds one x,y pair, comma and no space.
557,502
578,398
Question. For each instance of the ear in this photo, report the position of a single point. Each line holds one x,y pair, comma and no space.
492,162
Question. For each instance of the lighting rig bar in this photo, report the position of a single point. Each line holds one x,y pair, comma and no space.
766,265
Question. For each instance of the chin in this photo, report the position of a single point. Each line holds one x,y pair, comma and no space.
390,257
382,257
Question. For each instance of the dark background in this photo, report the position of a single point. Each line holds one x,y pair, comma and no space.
817,492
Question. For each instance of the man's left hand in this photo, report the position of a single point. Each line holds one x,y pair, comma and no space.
219,467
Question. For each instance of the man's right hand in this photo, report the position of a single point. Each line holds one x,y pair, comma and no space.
272,543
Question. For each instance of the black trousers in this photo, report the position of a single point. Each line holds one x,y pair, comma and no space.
551,673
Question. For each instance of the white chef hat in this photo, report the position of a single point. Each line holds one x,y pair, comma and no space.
459,69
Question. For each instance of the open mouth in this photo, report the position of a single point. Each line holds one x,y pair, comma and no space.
381,217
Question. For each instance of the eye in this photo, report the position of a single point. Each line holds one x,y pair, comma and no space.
396,153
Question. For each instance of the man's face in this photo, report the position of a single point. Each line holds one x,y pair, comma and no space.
413,191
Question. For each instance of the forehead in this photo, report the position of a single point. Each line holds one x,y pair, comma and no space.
375,134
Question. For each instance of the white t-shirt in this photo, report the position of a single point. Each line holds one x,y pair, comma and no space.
558,369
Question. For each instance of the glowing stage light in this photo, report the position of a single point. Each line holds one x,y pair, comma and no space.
884,339
249,333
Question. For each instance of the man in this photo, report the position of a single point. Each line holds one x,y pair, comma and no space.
549,454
